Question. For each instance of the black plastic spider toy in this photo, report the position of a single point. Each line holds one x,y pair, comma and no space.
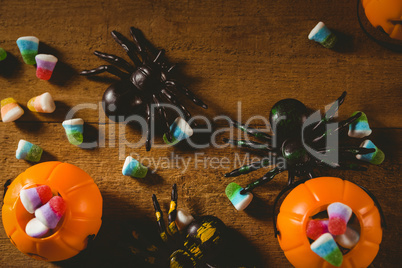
148,82
197,242
302,147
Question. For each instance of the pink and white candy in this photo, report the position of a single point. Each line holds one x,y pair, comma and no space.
33,198
51,213
339,215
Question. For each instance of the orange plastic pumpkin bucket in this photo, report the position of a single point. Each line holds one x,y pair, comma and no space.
81,219
312,197
386,14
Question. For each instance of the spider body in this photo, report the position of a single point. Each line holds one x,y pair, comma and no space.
146,84
301,145
287,117
199,243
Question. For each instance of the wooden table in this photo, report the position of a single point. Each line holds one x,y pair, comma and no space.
228,52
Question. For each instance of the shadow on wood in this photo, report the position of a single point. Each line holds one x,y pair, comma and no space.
9,66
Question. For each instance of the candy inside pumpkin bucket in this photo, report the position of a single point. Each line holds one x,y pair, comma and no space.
311,198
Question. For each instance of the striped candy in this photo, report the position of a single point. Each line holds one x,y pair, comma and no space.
323,35
375,158
74,130
339,215
33,198
42,104
45,65
360,127
28,46
10,110
50,213
28,151
326,247
134,168
239,201
180,130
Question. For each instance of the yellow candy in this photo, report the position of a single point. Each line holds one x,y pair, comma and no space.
10,110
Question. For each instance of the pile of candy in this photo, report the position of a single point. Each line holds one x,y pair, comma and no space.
48,210
45,63
329,233
28,46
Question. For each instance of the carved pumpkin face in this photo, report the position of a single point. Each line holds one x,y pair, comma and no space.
81,219
314,196
386,14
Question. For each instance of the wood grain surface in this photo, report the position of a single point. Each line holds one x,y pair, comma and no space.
230,53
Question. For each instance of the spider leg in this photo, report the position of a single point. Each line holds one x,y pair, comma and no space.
141,42
341,125
162,114
119,62
173,211
341,165
188,94
172,98
264,179
248,144
159,219
350,150
291,177
127,46
248,168
332,111
171,68
106,68
159,55
251,131
149,117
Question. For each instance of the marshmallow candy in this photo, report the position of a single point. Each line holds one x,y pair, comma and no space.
33,198
349,239
180,130
45,65
10,110
28,151
323,35
239,201
375,158
183,219
51,212
134,168
28,46
42,104
339,215
35,228
316,228
3,54
326,247
74,130
360,127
